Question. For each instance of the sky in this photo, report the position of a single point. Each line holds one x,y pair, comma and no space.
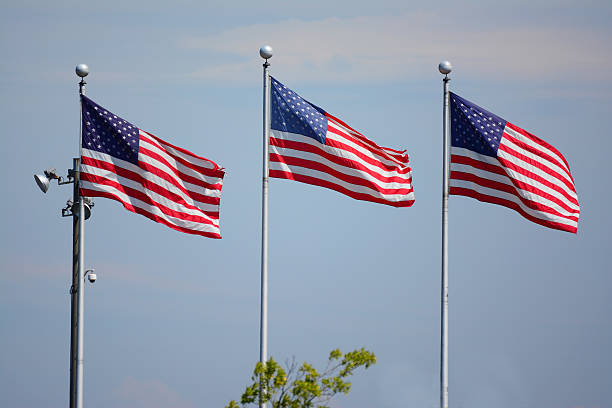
173,320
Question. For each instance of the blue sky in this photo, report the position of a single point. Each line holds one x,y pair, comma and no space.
173,320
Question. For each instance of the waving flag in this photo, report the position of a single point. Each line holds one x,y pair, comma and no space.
148,175
494,161
309,145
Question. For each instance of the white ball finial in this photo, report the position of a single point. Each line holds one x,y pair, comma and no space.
445,67
82,70
266,52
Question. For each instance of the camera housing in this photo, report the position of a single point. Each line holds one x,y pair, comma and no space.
91,275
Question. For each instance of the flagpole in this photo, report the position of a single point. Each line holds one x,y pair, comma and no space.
266,53
82,71
445,68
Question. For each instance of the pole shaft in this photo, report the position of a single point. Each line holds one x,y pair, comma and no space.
80,279
81,308
73,289
444,285
263,329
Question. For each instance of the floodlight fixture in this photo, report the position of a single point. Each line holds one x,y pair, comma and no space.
43,180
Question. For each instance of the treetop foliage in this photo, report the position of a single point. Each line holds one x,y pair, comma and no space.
303,386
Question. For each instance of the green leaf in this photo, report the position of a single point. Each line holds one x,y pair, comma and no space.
303,386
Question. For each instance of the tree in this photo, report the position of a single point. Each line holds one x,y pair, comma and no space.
303,386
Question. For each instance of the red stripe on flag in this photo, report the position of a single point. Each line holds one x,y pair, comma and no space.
188,178
139,195
138,210
399,157
361,136
187,152
338,159
332,186
538,179
194,194
336,144
481,165
537,152
123,172
499,169
536,164
512,205
494,185
541,142
313,165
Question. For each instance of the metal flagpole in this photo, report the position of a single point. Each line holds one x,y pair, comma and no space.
76,246
82,70
266,53
445,68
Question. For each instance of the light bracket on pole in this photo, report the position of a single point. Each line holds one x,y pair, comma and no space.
44,180
72,208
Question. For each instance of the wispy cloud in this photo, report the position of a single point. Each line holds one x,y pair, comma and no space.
404,47
25,270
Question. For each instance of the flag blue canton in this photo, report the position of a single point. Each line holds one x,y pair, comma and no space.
293,114
475,128
107,133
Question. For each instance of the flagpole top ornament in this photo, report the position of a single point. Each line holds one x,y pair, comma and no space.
445,67
82,70
266,52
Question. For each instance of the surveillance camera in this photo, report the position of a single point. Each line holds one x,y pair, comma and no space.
92,277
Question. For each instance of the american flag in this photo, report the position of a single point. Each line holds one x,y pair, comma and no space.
148,175
309,145
497,162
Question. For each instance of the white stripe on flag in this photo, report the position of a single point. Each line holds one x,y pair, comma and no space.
527,195
373,186
511,174
334,180
344,154
513,198
158,181
196,226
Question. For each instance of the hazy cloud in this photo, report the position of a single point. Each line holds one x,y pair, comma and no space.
399,47
26,270
134,393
